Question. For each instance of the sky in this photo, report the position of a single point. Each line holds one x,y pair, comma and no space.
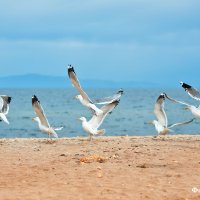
126,40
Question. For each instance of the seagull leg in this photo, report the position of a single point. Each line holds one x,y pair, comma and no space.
49,139
90,137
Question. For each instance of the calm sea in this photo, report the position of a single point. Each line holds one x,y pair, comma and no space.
129,117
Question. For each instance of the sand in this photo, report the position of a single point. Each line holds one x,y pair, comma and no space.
106,168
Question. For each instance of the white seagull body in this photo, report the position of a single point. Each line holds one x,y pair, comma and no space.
4,107
41,118
161,124
91,126
83,97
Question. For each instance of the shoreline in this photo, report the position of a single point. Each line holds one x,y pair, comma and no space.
108,167
112,136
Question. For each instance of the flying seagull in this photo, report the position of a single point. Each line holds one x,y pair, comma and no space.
91,126
193,92
41,118
84,98
194,110
161,124
4,107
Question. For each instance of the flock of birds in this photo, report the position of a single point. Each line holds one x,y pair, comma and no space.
161,124
99,114
91,126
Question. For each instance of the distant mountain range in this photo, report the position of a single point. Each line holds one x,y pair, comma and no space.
43,81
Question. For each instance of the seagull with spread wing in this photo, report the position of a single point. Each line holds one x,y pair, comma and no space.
83,97
192,92
4,107
41,118
195,110
161,124
91,126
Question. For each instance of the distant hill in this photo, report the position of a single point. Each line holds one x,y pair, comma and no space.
42,81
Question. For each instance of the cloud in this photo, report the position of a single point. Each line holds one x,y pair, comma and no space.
110,61
130,39
97,20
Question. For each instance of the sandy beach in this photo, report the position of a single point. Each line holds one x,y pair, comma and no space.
105,168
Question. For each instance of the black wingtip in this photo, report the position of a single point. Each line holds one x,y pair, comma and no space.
116,102
70,69
161,96
121,91
9,99
34,99
185,85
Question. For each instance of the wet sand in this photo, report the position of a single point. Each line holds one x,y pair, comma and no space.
105,168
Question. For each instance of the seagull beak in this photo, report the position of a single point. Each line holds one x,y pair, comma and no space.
186,108
74,97
149,122
79,120
33,119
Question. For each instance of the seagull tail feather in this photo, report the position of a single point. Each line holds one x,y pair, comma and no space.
168,130
102,131
54,133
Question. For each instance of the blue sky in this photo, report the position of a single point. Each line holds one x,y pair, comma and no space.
134,40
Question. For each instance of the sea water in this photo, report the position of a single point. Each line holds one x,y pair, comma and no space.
130,117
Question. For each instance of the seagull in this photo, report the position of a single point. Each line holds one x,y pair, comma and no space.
4,107
195,110
41,118
161,124
95,122
193,92
84,98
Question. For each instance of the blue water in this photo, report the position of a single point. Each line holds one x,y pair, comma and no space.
129,117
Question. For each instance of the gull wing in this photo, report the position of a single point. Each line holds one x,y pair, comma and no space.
39,111
110,99
75,82
7,99
96,121
176,101
1,103
6,102
159,110
181,123
193,92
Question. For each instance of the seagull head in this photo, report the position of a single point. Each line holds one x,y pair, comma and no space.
83,119
188,108
79,97
151,122
36,119
181,82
